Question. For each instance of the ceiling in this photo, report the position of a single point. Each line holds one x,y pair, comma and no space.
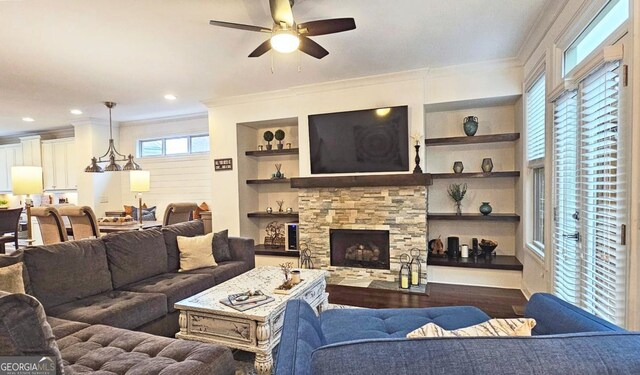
64,54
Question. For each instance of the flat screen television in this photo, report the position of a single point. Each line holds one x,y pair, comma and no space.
372,140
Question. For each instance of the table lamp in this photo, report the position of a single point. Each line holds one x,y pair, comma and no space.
26,181
139,182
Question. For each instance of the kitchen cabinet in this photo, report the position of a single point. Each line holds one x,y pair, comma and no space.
10,155
59,164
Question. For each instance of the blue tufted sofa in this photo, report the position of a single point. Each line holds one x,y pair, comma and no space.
566,340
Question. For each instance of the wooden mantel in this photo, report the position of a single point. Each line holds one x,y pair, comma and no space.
400,179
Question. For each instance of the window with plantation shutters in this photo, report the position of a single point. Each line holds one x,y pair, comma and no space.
535,120
590,258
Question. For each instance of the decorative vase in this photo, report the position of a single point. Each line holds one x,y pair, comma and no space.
487,165
470,125
485,208
269,210
417,168
278,174
289,210
269,146
280,145
459,208
458,167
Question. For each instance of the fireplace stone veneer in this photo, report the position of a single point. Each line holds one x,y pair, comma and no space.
401,210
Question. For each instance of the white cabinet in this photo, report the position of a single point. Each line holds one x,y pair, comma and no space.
59,164
10,155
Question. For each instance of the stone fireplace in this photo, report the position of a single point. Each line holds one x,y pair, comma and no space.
359,248
394,204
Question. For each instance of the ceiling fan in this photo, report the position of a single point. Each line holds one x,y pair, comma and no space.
287,36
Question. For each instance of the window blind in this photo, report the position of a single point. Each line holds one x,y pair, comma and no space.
589,187
535,120
565,235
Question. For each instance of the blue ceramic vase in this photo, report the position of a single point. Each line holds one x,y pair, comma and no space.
470,125
485,208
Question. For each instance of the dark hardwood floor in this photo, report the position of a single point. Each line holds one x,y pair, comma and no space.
497,303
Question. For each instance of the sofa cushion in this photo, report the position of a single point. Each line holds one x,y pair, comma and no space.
67,271
176,286
555,316
109,351
223,272
24,329
171,232
389,323
121,309
136,255
17,257
62,327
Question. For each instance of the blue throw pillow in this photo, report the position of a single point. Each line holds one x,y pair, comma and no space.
148,214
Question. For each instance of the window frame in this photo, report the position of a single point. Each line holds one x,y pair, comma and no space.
531,165
164,146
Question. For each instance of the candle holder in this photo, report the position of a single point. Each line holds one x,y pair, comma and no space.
405,271
417,168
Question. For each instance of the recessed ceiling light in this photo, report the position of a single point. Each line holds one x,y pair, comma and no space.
28,119
75,112
170,97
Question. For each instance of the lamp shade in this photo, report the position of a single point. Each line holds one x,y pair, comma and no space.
26,180
139,181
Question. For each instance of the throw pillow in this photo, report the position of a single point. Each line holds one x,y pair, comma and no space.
195,252
200,209
11,278
493,327
148,214
221,251
17,257
128,210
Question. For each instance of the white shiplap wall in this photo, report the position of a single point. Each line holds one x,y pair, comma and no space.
173,179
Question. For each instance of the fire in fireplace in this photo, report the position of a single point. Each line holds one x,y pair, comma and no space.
359,248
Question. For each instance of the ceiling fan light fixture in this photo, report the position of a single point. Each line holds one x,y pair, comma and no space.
285,41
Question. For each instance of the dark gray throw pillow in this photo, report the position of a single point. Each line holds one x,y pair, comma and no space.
221,251
148,214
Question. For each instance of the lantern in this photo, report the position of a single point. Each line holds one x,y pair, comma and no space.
405,271
416,267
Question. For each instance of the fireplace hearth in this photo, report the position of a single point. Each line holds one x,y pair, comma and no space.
359,248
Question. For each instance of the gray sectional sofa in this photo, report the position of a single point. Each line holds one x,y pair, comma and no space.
126,280
97,292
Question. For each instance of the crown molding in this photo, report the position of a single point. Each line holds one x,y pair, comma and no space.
476,67
541,27
160,120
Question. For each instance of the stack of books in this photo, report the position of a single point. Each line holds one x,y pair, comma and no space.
245,301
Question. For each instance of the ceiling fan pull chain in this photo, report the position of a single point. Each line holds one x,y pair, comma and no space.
299,62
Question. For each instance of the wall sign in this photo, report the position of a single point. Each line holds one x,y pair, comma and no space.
223,164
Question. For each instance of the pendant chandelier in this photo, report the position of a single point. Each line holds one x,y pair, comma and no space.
112,155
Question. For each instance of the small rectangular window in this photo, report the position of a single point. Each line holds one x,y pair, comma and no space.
538,207
151,148
614,14
176,146
535,113
200,143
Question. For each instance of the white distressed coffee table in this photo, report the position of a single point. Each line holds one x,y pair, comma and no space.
203,318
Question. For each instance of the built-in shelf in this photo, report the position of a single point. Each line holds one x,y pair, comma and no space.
284,151
403,179
274,215
465,140
269,181
475,217
276,251
498,262
475,175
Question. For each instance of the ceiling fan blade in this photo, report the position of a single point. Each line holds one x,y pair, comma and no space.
281,12
240,26
330,26
262,49
312,48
